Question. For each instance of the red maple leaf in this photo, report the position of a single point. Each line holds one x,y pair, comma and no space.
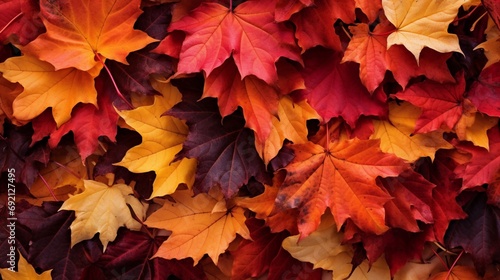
335,90
442,104
485,92
249,34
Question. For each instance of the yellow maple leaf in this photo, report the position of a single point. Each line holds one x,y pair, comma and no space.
25,272
45,87
200,225
324,249
473,126
396,134
162,139
423,23
289,124
491,46
102,209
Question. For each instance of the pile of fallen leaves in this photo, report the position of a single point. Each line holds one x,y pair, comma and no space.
229,139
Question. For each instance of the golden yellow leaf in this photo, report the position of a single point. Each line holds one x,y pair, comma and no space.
102,209
199,225
162,139
418,271
25,272
491,46
423,23
9,92
290,124
473,126
396,134
323,248
45,87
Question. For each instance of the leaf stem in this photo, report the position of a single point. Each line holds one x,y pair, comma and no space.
327,138
67,169
469,14
230,5
114,83
440,259
10,22
48,187
453,265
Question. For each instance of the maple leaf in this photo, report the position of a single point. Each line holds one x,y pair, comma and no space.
249,33
19,21
94,216
290,123
369,50
80,30
324,248
258,100
18,155
484,165
200,225
396,135
484,92
335,90
418,270
162,139
88,123
492,8
412,200
441,104
64,174
458,272
46,87
371,8
341,177
224,148
135,76
51,240
320,32
491,45
254,257
286,8
9,92
25,271
477,232
422,24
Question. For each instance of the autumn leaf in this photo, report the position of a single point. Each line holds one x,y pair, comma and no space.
335,90
441,104
324,248
162,139
223,147
458,272
491,46
290,123
477,232
412,200
341,177
422,24
200,225
249,34
19,21
320,32
25,272
46,87
94,215
483,165
396,135
484,92
258,100
78,31
88,123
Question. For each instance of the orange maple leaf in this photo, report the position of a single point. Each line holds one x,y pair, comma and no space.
341,177
78,30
